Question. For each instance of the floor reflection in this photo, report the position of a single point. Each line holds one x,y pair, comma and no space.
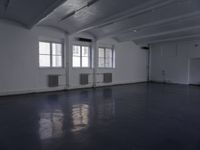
106,107
80,117
51,124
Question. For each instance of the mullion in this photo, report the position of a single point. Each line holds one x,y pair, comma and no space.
51,56
112,58
81,56
105,58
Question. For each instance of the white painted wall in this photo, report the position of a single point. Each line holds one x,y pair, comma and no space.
174,59
19,61
130,65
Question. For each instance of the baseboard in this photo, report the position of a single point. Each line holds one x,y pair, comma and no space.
161,82
194,84
105,85
33,91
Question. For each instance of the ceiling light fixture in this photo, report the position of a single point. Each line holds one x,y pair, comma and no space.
76,11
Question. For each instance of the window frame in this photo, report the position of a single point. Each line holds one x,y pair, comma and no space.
81,56
51,54
113,57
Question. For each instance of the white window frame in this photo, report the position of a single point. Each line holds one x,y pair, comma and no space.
81,56
51,54
113,57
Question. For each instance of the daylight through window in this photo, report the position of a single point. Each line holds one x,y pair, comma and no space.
50,54
81,56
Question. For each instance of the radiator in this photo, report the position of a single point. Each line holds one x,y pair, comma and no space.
84,79
107,77
53,80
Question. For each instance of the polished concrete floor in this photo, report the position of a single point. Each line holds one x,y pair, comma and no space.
131,117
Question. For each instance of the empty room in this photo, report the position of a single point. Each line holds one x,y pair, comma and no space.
99,75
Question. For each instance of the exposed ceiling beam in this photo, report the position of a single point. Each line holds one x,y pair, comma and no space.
78,10
151,24
196,36
166,32
145,8
47,11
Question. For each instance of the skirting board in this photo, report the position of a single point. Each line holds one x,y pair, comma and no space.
161,82
20,92
63,88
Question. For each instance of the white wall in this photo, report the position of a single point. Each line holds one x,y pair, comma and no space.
130,64
174,59
19,61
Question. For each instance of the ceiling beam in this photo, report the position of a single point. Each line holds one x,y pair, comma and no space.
78,10
187,37
166,33
145,8
151,24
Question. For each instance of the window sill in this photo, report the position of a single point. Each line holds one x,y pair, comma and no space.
51,68
81,68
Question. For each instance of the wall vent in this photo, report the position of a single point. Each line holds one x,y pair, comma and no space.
84,40
84,79
107,77
145,47
53,80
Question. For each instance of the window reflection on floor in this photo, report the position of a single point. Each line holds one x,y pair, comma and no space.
51,124
106,110
80,117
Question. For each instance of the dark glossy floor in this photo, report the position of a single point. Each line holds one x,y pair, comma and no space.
130,117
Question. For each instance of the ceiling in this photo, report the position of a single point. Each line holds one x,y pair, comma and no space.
27,13
139,20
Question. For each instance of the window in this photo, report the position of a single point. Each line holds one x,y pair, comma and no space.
81,56
106,58
50,54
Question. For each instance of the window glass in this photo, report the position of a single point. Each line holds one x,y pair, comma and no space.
50,54
76,61
85,62
109,53
106,58
57,49
101,52
101,62
44,48
76,50
85,51
81,56
57,61
44,60
108,63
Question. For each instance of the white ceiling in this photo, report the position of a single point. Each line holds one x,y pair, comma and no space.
143,21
